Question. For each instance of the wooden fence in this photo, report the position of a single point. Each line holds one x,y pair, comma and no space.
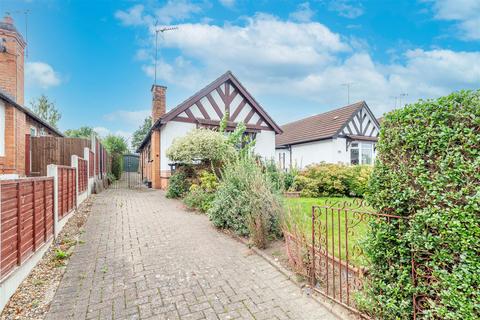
66,190
54,150
91,163
82,175
27,219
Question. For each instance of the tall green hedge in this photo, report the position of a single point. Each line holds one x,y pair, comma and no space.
428,169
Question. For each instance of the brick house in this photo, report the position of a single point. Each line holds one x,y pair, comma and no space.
204,109
17,123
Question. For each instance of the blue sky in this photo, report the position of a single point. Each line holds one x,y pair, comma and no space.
95,58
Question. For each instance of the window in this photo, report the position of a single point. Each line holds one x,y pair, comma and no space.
42,132
361,153
33,132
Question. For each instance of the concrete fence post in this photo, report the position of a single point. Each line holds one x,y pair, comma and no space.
86,156
52,171
75,166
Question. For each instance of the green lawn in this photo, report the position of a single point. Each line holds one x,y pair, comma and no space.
333,222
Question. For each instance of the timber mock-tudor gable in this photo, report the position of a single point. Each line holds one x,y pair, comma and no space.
346,135
205,109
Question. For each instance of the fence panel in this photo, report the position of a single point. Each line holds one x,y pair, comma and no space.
82,175
54,150
26,219
66,190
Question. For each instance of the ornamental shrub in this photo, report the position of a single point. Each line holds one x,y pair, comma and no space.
201,145
246,201
321,180
201,194
178,185
427,170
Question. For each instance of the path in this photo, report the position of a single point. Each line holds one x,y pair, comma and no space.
144,257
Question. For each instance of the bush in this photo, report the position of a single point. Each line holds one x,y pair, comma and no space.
334,180
201,145
246,201
117,165
178,185
427,170
200,196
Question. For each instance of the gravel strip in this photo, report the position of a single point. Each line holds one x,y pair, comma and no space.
32,299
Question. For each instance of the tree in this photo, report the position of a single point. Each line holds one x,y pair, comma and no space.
46,110
115,144
141,133
82,132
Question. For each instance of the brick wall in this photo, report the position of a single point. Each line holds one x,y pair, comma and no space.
12,62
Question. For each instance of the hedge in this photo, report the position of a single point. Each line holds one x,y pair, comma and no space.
428,169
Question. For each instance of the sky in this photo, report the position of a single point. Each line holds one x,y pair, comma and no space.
95,59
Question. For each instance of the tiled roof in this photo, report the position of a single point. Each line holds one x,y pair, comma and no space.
317,127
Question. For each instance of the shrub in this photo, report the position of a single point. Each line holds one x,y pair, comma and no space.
321,180
200,196
117,165
427,170
246,201
201,145
178,185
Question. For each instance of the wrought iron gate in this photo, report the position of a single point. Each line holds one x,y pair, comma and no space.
131,177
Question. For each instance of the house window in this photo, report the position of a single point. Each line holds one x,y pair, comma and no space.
33,132
42,132
361,153
281,160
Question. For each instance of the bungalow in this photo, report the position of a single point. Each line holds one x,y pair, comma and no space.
204,109
17,123
346,135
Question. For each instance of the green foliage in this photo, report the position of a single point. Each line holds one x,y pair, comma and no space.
115,144
46,110
201,145
246,201
200,196
178,185
116,147
141,133
289,178
321,180
60,254
427,170
82,132
117,165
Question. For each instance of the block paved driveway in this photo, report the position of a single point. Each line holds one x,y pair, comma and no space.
145,257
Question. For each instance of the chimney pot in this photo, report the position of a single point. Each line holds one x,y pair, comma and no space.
159,105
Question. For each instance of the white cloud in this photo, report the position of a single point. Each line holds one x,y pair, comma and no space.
228,3
41,74
131,17
103,132
177,10
465,12
346,8
303,13
308,62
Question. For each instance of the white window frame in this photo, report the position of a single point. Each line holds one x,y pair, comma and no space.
33,131
363,146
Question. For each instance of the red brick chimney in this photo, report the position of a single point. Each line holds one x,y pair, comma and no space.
159,106
12,48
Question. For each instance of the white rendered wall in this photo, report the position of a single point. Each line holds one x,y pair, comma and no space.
265,144
168,133
329,151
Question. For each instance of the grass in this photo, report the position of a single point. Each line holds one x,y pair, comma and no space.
331,222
